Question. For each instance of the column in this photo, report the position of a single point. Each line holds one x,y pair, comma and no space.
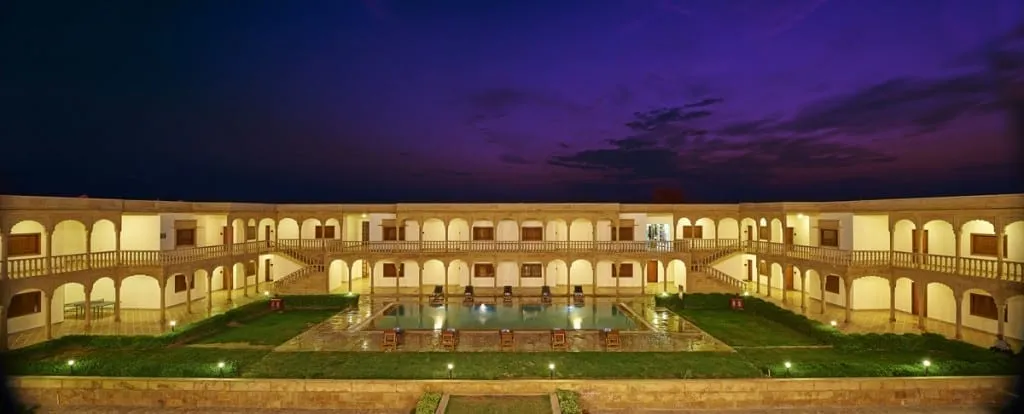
803,294
892,301
446,249
544,272
921,301
823,303
1000,248
117,299
49,251
48,312
209,295
849,301
229,280
768,282
117,245
956,247
231,234
88,307
372,284
447,267
3,256
189,283
920,243
1000,322
892,244
959,317
163,305
618,276
568,279
245,280
349,270
88,250
419,289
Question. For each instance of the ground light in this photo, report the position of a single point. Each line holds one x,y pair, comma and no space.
71,366
834,323
926,363
551,369
266,293
450,368
788,366
173,324
220,367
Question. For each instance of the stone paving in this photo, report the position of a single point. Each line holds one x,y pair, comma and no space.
823,410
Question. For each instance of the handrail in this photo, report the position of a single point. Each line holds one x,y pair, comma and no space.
311,251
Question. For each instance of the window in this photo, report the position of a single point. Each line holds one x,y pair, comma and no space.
624,234
483,270
693,232
986,245
984,306
764,233
394,270
626,270
531,270
394,233
832,284
26,303
184,237
250,268
24,245
180,283
533,234
323,232
483,233
250,233
829,238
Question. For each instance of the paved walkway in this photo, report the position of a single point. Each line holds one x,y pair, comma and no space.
823,410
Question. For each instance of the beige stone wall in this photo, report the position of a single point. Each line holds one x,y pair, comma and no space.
620,394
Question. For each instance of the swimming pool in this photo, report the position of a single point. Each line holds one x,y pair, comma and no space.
590,316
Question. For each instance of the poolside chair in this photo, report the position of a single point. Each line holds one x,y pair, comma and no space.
507,339
468,294
577,295
506,294
449,339
559,340
612,339
438,296
390,340
545,294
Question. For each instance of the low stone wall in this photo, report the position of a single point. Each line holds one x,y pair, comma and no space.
610,394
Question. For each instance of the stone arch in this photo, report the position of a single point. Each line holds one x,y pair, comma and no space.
903,235
728,228
905,294
28,227
433,272
201,283
459,272
104,288
360,269
775,275
218,279
141,291
777,230
941,238
675,270
1014,232
748,225
976,321
556,230
307,230
69,237
459,230
581,272
334,224
557,272
287,228
940,300
261,229
238,275
103,237
337,274
238,226
976,226
870,292
433,230
813,280
581,229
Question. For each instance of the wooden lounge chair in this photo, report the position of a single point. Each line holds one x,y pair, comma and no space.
468,294
438,296
612,339
506,294
449,339
577,295
545,294
390,340
559,340
507,339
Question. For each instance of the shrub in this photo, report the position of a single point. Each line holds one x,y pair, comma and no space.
569,402
428,403
320,301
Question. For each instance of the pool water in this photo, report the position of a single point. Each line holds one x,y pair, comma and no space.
590,316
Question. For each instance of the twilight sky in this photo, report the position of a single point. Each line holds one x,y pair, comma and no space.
524,100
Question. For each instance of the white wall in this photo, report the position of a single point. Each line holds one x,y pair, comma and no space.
68,238
29,227
870,232
734,265
581,230
728,228
801,224
140,292
903,236
904,295
871,292
581,273
35,320
940,238
845,229
209,229
142,232
975,227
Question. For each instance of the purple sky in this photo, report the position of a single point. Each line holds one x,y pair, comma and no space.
382,100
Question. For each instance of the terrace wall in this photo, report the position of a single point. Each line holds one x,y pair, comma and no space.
609,394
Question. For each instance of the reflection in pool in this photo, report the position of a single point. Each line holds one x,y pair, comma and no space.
591,316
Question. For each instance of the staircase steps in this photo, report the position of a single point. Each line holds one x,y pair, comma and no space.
704,278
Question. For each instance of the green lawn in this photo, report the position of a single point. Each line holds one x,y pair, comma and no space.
499,405
740,328
270,329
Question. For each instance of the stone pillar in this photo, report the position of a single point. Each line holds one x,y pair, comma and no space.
849,301
209,294
48,313
447,269
824,304
117,246
49,251
372,284
921,302
88,250
892,301
117,299
1000,318
1000,249
245,280
618,276
959,318
163,305
349,270
88,307
768,282
419,289
3,328
189,282
803,294
892,244
229,280
920,243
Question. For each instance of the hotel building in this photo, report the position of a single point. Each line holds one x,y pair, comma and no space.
956,259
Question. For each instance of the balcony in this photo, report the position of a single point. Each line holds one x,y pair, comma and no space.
966,266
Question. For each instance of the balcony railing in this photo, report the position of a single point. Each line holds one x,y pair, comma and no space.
309,250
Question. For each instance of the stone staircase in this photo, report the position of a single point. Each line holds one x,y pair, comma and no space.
702,277
308,280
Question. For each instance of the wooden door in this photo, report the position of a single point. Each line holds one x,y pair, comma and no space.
226,236
266,235
787,278
750,270
266,270
365,231
652,271
788,236
919,244
750,233
918,303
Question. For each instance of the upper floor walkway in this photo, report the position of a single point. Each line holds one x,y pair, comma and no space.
328,249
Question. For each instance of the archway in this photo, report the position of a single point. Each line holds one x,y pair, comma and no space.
941,302
581,272
557,272
287,228
337,274
676,272
557,230
140,292
433,273
870,293
308,228
103,237
728,228
458,230
581,230
433,230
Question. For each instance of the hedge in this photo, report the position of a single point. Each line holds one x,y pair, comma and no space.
569,402
428,403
